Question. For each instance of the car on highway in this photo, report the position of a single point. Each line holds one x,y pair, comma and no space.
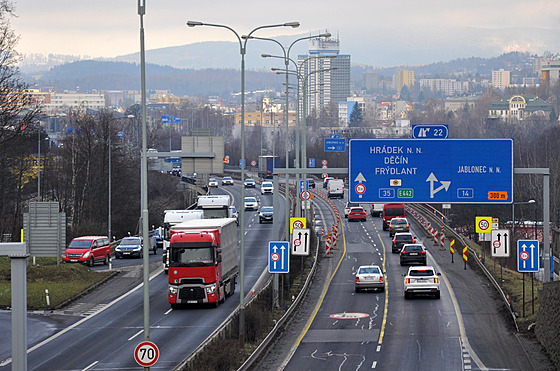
357,214
369,277
400,239
413,253
130,247
398,225
249,183
88,250
227,180
266,214
348,206
421,281
267,188
212,182
251,203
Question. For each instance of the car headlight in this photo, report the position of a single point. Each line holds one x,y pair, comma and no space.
211,289
118,248
138,248
86,254
173,290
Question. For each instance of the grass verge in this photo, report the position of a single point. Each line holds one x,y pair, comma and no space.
63,282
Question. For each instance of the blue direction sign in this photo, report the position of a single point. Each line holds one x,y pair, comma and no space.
430,131
176,120
528,258
461,171
278,257
334,136
335,145
164,119
311,162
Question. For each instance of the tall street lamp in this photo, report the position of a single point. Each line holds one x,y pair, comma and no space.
242,50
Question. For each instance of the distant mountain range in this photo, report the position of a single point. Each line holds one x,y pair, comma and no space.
212,68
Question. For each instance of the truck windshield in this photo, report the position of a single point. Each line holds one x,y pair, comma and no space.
215,213
397,211
184,256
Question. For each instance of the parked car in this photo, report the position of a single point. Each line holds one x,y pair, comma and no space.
88,250
249,183
400,239
348,206
357,214
369,277
413,253
421,280
266,214
227,180
267,188
130,247
251,203
398,225
212,182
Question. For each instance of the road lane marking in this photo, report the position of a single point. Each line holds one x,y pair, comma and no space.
58,334
384,322
136,334
90,366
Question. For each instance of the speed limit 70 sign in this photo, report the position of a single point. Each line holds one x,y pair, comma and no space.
146,354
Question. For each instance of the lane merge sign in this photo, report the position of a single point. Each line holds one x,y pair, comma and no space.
528,258
500,243
300,241
435,171
278,257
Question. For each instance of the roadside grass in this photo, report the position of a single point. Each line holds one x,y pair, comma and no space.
63,282
511,283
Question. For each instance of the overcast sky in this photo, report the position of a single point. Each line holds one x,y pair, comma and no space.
384,32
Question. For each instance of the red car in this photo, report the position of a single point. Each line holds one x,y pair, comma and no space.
357,214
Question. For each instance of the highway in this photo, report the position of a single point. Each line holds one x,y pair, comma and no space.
106,338
373,330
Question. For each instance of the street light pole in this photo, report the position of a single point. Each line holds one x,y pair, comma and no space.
242,51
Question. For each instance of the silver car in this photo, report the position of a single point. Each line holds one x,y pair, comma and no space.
369,277
251,203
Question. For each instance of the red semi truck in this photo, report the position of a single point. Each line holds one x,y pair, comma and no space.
203,261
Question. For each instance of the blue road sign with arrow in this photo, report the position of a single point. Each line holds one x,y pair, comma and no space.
335,145
430,131
461,171
278,257
528,259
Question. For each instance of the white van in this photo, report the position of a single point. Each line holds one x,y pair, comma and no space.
335,188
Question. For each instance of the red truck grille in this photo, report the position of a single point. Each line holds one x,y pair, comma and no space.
191,293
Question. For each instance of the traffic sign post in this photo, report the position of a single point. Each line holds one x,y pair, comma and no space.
278,257
300,241
146,354
462,171
528,257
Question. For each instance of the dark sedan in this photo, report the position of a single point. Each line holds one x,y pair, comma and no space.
266,214
413,253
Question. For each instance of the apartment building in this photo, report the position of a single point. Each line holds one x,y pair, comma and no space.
501,79
403,78
61,102
448,87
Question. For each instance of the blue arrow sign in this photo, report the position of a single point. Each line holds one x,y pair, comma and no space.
528,258
335,145
311,162
334,136
461,171
278,257
430,131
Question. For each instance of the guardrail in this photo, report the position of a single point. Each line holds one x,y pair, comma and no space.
426,213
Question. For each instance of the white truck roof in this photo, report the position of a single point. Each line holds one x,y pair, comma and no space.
204,223
178,216
213,201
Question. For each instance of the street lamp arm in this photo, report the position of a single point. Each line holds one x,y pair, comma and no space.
196,23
